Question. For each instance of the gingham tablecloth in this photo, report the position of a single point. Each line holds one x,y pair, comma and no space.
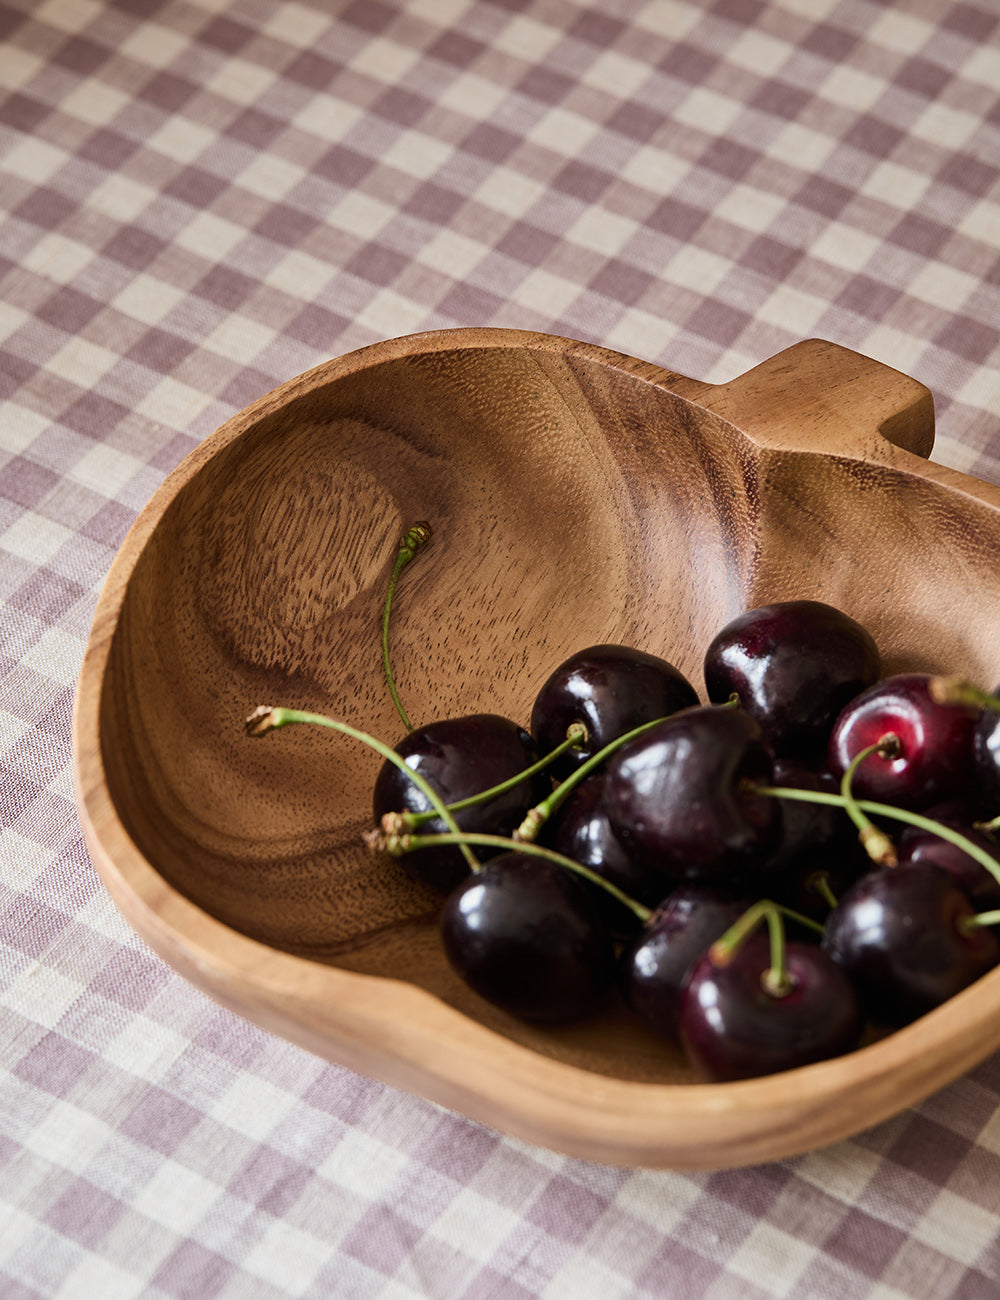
200,200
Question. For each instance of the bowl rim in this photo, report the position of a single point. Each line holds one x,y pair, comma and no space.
381,1026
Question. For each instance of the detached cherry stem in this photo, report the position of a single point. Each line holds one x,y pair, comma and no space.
266,719
413,541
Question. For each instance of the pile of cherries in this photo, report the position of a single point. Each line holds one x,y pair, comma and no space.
764,879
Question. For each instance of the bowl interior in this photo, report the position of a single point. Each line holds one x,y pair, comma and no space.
573,501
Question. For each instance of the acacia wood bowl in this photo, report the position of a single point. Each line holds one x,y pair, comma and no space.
577,496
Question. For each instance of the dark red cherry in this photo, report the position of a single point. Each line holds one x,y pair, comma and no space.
460,757
678,796
916,845
808,827
579,829
902,934
818,843
793,665
966,810
652,968
526,936
986,748
935,757
733,1028
611,689
808,884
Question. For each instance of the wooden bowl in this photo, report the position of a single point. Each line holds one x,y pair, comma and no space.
577,496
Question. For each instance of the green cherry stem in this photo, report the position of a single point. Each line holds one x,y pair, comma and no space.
536,817
413,541
874,840
539,815
400,844
266,719
775,981
981,918
955,689
888,810
395,823
819,882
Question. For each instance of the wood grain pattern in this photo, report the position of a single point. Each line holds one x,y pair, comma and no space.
577,496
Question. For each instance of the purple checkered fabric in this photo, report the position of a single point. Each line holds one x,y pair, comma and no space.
199,200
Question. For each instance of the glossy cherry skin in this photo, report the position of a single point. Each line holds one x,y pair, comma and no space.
653,967
676,797
801,885
986,749
611,689
793,665
527,937
808,827
816,840
923,846
460,757
732,1028
580,830
899,934
935,760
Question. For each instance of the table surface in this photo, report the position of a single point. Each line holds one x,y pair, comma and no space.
201,200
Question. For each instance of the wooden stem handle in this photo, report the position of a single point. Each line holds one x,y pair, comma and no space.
818,396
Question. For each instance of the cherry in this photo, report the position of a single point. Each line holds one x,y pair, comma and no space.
580,830
918,845
967,810
459,757
679,796
793,665
733,1026
814,884
526,936
807,828
654,965
611,689
986,749
711,803
818,854
933,760
907,937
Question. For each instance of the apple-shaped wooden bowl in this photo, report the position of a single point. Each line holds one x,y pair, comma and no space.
577,496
